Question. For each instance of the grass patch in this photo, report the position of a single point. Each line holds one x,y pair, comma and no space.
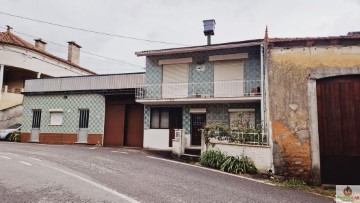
301,185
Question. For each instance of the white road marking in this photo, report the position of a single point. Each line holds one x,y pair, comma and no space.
92,148
120,152
5,157
94,184
34,158
26,163
210,169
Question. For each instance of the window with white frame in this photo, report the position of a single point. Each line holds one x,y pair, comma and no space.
243,117
56,116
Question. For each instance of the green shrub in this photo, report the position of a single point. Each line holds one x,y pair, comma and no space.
231,164
237,164
213,159
15,136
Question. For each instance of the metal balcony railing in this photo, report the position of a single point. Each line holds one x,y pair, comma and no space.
218,89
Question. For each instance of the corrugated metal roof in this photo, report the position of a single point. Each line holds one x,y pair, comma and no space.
85,83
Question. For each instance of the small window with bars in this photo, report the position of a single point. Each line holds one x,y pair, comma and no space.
84,118
36,118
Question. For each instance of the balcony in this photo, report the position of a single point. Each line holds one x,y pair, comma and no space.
211,92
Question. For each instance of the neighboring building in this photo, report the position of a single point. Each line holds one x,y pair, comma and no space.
20,60
187,87
314,107
88,109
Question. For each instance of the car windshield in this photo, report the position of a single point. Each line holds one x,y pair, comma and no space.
14,126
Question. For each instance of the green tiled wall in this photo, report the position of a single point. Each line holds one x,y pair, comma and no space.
215,112
70,106
252,69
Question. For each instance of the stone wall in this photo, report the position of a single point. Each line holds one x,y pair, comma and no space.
288,72
11,116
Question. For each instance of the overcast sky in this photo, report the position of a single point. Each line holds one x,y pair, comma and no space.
175,21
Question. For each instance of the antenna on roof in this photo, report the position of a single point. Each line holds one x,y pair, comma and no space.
209,28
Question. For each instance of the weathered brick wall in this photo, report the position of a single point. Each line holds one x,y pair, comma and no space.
288,101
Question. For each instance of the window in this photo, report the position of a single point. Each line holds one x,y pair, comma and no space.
159,118
36,118
84,118
56,116
248,116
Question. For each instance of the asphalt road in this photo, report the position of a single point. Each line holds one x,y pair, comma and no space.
74,173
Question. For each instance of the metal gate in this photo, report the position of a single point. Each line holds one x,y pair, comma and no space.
35,127
338,102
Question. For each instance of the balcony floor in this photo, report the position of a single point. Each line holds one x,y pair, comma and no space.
249,99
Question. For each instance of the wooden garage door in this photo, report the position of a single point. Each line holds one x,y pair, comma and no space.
134,125
338,100
114,125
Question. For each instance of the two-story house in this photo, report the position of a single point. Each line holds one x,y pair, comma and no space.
187,87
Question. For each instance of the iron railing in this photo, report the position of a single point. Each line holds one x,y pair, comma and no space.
218,89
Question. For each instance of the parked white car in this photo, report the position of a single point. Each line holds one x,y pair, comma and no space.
5,133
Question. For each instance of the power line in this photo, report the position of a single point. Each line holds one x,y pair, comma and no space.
87,52
91,31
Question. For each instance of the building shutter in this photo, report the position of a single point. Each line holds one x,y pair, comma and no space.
228,78
175,81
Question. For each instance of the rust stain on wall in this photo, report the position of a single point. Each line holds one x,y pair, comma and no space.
295,153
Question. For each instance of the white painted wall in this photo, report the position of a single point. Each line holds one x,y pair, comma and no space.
34,61
156,139
261,155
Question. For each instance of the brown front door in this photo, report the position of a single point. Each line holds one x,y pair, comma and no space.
175,122
197,122
114,125
134,125
338,102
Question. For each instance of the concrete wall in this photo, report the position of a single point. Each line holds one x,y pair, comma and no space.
156,139
11,116
288,70
260,155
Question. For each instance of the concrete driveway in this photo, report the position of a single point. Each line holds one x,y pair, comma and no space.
73,173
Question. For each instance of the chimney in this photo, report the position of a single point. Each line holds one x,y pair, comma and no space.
74,53
209,28
40,44
9,28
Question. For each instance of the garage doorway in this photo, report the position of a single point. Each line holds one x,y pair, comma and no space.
338,104
124,121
